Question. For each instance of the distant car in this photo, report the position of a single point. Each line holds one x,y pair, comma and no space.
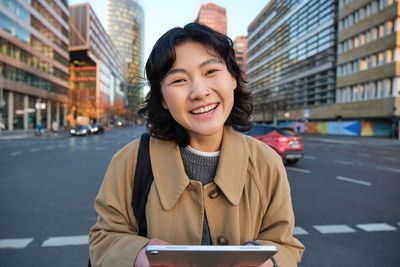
283,140
97,128
81,131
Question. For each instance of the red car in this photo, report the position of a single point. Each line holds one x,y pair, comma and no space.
284,141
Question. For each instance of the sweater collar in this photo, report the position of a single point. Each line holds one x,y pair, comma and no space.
170,177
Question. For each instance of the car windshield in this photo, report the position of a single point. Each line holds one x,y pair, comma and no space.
286,132
263,129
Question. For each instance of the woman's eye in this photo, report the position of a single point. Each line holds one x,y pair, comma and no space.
178,81
210,72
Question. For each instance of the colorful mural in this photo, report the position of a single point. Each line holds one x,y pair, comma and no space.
354,128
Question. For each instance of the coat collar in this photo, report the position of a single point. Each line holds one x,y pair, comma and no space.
170,177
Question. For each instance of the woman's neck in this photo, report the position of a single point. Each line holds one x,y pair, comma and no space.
203,143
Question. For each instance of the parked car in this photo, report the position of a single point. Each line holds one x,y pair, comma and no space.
284,141
81,131
97,128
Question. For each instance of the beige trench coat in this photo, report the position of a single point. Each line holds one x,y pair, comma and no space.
248,200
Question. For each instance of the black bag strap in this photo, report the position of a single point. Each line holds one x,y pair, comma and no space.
141,186
142,183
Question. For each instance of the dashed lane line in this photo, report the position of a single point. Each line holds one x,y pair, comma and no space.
388,169
390,159
60,241
16,243
364,154
16,153
298,170
65,241
35,149
101,148
351,180
344,162
375,227
49,147
299,231
334,229
309,157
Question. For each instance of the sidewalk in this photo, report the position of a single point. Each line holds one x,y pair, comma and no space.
351,140
21,134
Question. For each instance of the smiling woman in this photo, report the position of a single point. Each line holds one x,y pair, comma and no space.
212,185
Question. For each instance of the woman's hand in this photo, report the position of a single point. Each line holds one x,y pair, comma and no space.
268,263
141,259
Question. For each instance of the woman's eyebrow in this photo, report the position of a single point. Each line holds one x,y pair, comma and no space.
174,71
210,61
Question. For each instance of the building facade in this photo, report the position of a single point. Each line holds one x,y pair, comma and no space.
240,47
291,59
33,64
97,70
368,63
126,30
213,16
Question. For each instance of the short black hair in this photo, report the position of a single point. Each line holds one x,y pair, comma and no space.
160,122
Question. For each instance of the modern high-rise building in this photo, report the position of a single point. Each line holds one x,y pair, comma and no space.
126,30
97,70
213,16
33,64
240,47
291,59
368,63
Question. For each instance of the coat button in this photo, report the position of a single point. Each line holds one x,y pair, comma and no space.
214,194
222,241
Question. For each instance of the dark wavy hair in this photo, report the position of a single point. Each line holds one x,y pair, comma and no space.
160,122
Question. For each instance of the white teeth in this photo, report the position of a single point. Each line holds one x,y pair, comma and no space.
204,109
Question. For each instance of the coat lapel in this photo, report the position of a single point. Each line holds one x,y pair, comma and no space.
168,171
232,166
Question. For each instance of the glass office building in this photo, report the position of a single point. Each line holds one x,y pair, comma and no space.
33,63
126,30
291,58
97,72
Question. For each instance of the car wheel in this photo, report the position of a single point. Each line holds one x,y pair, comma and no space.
291,161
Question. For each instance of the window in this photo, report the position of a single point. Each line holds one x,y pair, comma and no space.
388,56
388,27
381,58
381,30
374,33
362,38
363,64
356,42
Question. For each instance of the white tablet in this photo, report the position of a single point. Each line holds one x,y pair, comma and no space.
210,256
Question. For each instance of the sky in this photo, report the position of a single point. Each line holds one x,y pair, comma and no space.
162,15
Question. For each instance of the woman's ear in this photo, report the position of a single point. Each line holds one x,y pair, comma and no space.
234,83
164,105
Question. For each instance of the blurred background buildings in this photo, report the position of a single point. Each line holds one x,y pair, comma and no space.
126,30
328,67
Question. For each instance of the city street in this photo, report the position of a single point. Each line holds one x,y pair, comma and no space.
346,199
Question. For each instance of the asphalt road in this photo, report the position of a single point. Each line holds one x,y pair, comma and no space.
345,197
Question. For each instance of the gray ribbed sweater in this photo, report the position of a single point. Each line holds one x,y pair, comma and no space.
203,169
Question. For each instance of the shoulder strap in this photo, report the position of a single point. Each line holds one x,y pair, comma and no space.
142,183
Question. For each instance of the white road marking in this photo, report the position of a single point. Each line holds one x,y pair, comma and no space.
309,157
299,231
49,147
375,227
388,169
298,170
364,154
389,159
344,162
16,153
334,229
34,149
100,148
15,243
351,180
65,241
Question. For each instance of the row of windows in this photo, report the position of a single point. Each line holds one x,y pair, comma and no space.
362,13
289,32
46,14
369,62
30,79
370,35
18,53
365,91
270,15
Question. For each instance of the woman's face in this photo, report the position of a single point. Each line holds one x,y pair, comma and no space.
198,92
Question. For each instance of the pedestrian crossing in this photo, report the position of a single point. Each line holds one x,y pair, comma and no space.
81,240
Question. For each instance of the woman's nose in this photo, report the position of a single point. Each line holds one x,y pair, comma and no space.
199,90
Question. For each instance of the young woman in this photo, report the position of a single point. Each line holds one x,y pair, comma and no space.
212,184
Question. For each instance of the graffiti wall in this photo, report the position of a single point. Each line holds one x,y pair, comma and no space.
355,128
